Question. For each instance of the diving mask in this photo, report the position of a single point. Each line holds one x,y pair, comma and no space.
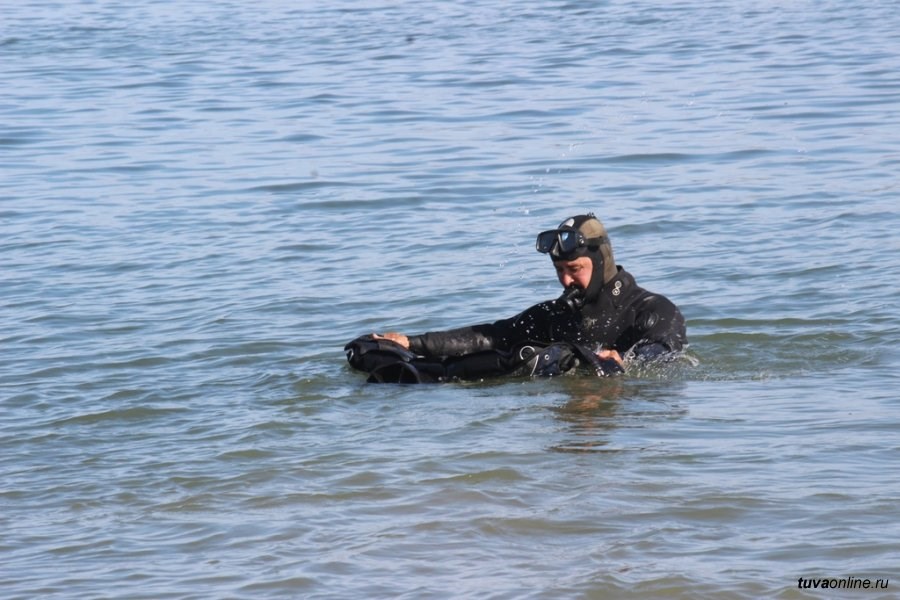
561,242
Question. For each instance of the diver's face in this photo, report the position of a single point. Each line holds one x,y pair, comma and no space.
577,272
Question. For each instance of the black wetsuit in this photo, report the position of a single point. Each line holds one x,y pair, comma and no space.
624,317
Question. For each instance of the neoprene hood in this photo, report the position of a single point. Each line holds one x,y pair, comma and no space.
601,256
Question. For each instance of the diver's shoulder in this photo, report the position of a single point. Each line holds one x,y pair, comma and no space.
645,298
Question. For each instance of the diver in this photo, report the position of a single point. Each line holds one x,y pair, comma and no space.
602,311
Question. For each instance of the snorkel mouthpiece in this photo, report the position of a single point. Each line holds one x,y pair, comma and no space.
572,298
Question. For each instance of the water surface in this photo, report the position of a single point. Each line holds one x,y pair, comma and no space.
201,203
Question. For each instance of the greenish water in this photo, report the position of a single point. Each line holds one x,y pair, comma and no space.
201,203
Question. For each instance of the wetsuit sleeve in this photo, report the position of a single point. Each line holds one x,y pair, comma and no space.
660,329
504,334
456,342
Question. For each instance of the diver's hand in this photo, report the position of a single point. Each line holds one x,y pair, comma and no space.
397,338
611,354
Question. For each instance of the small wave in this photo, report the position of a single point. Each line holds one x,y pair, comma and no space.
136,414
297,186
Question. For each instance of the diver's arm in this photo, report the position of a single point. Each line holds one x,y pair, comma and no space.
456,342
662,332
499,335
453,342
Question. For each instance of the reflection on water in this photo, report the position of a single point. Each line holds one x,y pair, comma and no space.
595,409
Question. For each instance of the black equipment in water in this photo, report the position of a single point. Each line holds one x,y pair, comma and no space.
388,362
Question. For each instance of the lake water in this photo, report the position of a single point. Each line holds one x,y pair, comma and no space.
201,202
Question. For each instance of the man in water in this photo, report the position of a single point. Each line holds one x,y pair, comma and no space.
602,308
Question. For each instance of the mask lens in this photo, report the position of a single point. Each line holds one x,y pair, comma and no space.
545,241
568,241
